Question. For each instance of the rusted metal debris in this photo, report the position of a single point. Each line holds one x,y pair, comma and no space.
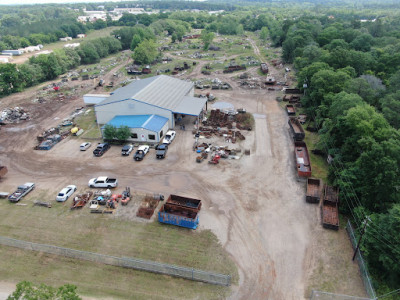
13,115
147,207
80,200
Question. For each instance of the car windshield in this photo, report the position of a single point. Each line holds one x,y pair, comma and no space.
60,194
126,147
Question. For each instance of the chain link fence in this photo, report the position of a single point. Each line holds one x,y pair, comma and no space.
363,268
317,295
133,263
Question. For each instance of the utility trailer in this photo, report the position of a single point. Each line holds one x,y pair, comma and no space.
296,129
313,194
303,163
291,111
180,211
330,216
331,195
21,191
330,208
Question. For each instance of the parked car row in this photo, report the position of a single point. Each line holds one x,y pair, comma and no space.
161,150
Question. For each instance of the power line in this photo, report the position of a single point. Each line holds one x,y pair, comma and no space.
377,229
388,294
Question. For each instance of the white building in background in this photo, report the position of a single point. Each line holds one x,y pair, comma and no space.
66,39
73,45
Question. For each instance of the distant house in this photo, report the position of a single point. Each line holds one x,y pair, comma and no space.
73,45
66,39
12,52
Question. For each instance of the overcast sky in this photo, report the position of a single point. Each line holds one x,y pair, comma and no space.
52,1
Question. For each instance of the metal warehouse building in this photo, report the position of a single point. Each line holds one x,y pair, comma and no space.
149,107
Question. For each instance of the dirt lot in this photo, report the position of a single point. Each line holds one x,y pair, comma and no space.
254,205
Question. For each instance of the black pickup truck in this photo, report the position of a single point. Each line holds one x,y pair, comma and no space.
101,149
161,151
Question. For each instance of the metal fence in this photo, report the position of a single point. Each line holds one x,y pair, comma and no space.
317,295
133,263
363,268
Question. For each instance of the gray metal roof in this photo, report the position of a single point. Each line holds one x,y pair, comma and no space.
190,106
162,91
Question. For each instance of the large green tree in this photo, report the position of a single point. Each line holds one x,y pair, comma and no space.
146,52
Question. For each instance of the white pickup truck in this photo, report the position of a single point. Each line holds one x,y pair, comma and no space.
103,182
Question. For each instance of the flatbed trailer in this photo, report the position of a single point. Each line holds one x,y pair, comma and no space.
313,194
296,129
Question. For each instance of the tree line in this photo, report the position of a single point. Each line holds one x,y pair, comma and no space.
350,74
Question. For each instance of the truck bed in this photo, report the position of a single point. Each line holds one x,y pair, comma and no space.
290,109
330,216
331,195
313,194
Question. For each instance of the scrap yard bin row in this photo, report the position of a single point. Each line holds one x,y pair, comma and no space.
180,211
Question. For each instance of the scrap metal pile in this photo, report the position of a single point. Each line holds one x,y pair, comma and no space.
13,115
219,119
80,200
149,205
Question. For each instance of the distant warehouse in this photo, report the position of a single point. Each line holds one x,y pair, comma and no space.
149,107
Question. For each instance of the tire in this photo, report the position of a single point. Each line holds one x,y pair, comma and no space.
91,186
109,186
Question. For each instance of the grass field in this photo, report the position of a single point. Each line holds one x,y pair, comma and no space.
87,122
107,235
318,163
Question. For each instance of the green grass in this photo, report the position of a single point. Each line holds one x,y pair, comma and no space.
318,163
108,235
88,123
90,36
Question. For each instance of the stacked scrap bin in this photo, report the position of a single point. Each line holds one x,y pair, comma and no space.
180,211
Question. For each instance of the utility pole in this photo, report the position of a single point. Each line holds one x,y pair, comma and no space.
365,222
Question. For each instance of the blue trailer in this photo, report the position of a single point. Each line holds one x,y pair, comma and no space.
173,219
180,211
